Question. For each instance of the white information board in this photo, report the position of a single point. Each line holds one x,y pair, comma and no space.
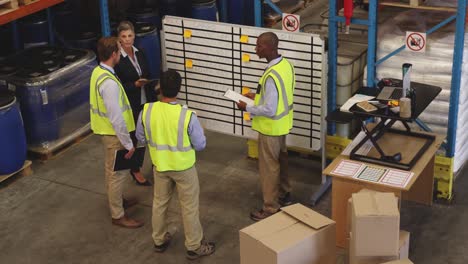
215,57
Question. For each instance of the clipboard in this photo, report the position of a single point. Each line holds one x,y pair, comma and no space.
121,163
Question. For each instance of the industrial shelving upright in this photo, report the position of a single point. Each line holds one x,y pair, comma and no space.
371,23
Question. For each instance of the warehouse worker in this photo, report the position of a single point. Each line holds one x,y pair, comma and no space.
173,134
272,117
112,119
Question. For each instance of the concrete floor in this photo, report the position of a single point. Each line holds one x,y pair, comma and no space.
60,213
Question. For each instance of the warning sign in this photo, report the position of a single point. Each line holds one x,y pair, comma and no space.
291,23
415,41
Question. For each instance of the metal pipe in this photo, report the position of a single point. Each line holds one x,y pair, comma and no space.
371,42
50,23
456,76
332,62
258,12
105,25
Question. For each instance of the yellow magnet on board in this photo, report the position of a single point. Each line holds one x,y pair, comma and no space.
245,90
247,116
244,39
187,33
245,57
189,63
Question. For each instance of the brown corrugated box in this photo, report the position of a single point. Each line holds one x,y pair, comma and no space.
403,252
297,234
375,224
402,261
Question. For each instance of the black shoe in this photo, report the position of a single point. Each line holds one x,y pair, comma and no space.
260,215
145,183
167,240
285,200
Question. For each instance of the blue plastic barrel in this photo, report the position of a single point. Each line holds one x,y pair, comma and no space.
6,45
235,11
12,137
64,18
147,40
34,31
145,15
174,8
82,40
6,70
41,107
205,9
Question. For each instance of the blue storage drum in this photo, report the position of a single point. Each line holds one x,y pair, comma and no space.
174,8
82,40
145,15
12,137
205,9
147,40
64,18
6,45
6,69
53,91
34,30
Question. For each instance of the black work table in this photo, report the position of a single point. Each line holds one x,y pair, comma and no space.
424,94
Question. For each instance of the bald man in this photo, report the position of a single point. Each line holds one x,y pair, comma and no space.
272,118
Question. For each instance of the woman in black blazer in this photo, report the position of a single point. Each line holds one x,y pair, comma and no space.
132,71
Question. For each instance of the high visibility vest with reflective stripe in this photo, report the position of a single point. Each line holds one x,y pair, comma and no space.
100,123
166,132
283,75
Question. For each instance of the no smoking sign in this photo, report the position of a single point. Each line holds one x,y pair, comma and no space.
415,41
291,23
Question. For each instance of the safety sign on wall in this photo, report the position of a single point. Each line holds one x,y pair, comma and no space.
415,41
291,22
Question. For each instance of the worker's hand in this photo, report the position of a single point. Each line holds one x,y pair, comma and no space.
250,95
140,82
241,105
130,153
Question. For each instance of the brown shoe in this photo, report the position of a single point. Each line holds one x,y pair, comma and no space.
260,215
126,222
127,203
205,249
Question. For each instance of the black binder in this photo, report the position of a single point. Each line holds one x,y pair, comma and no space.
121,163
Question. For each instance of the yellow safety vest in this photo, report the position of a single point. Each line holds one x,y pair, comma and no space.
100,123
166,132
280,124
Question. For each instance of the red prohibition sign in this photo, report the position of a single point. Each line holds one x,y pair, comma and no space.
415,44
290,21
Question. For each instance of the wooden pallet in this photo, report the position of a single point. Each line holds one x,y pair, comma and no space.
8,6
26,2
45,154
24,171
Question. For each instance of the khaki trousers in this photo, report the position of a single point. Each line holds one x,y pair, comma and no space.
273,170
188,190
114,180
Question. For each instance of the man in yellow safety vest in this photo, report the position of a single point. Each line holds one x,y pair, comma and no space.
112,119
173,133
273,119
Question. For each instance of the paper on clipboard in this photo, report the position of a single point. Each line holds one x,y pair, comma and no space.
236,97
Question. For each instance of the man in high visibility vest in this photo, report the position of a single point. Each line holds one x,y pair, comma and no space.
272,118
173,133
112,119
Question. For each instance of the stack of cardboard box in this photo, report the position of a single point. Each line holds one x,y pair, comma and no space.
374,229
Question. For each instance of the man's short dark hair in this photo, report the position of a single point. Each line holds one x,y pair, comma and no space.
170,83
106,46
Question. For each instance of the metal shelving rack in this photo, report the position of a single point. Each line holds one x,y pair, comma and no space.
371,23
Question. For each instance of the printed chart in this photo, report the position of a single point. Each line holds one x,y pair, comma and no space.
361,171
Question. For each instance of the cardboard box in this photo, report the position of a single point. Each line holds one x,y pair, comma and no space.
402,261
375,224
403,252
349,211
297,235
